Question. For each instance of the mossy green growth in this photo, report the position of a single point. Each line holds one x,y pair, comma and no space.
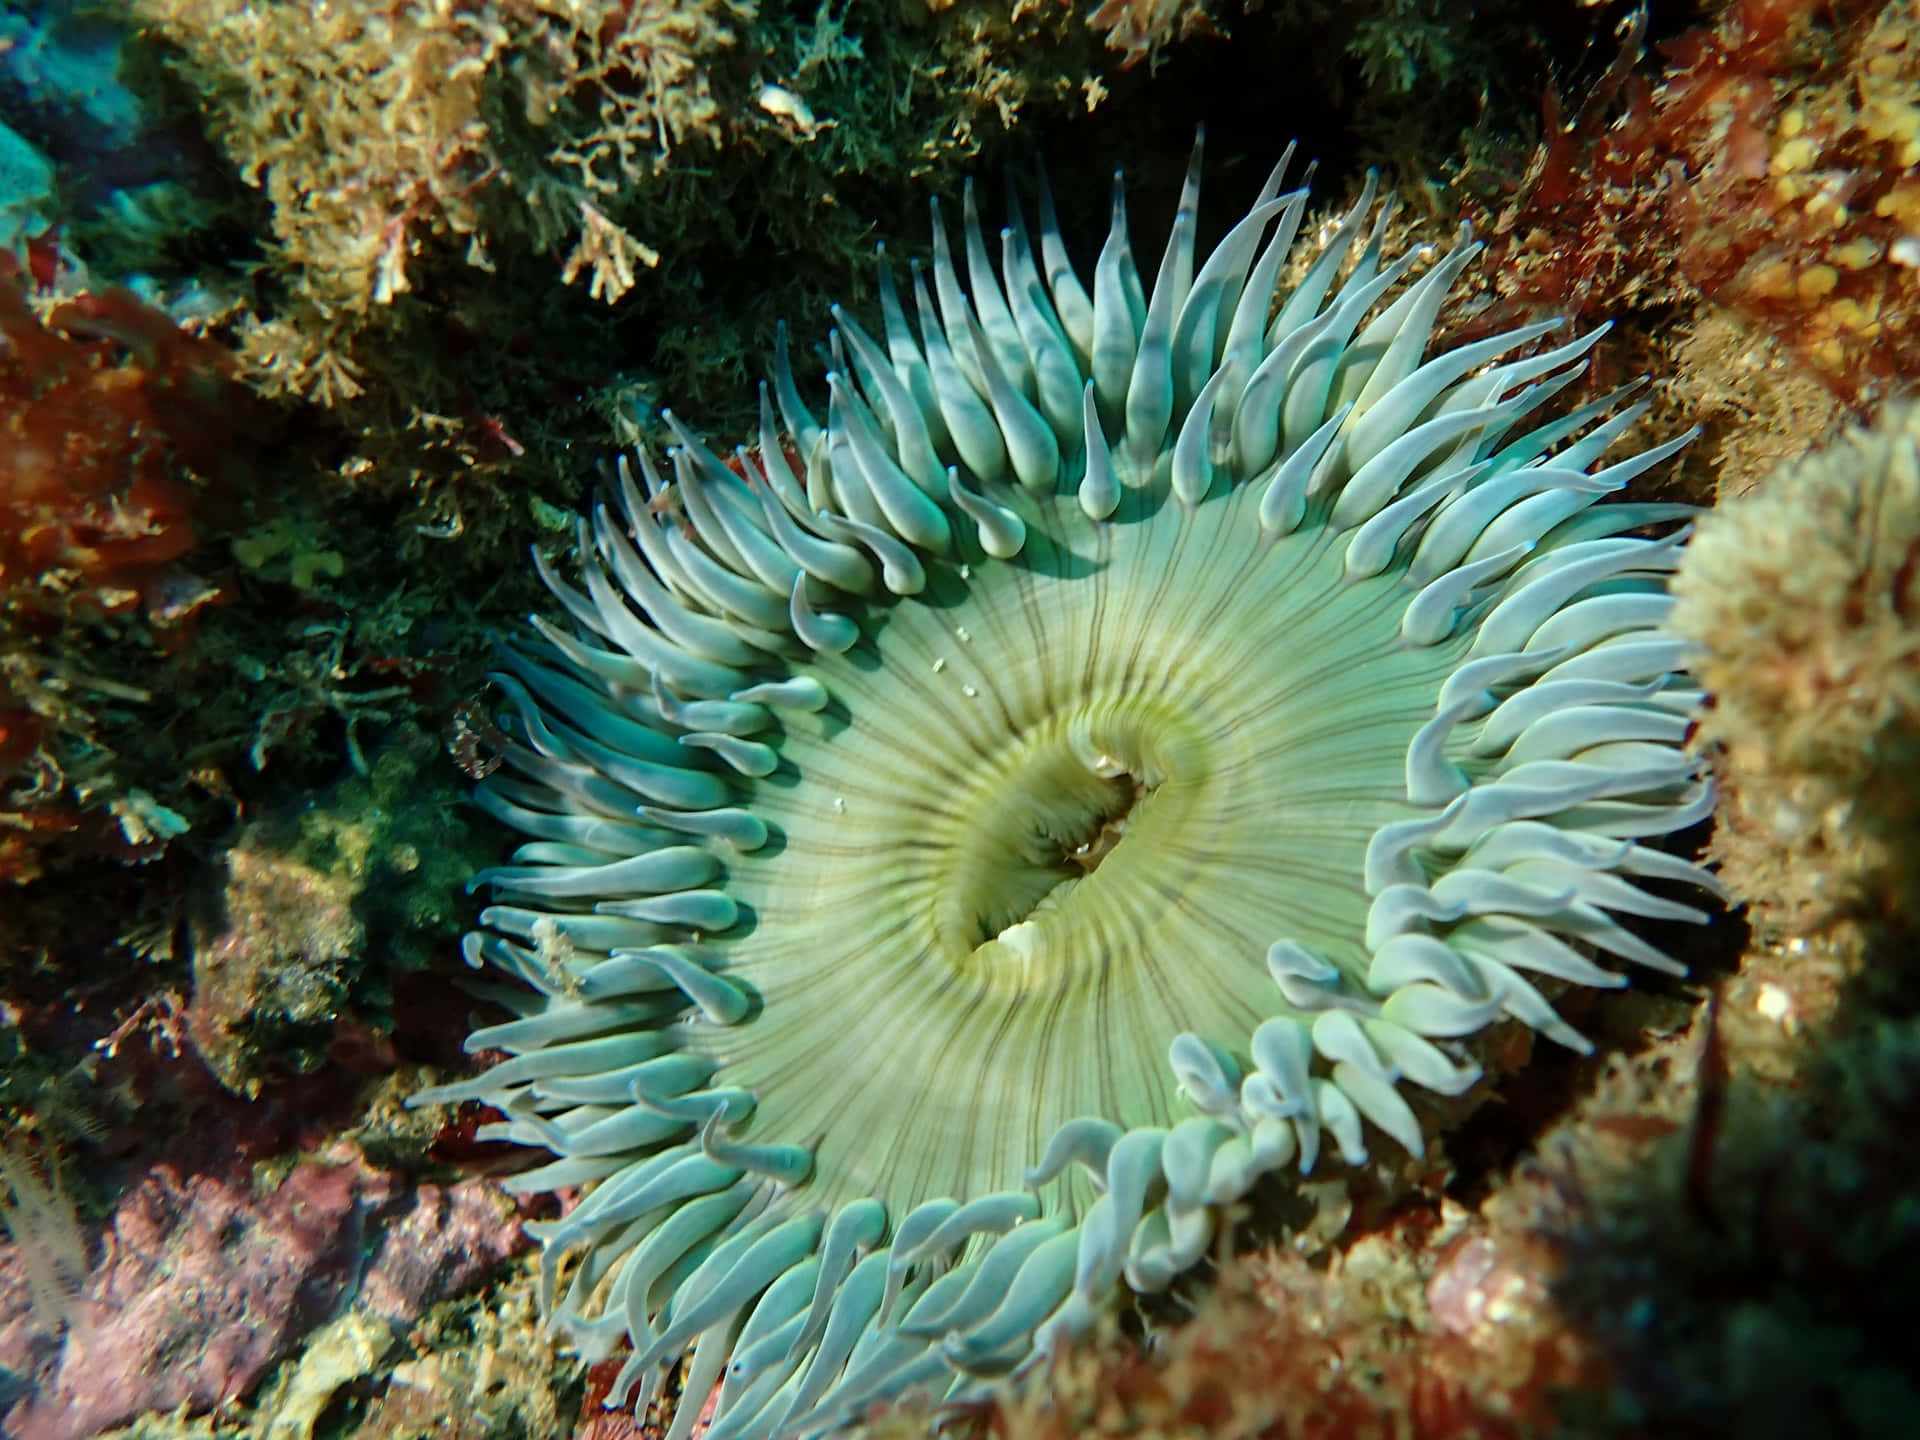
319,909
280,550
401,836
1752,1274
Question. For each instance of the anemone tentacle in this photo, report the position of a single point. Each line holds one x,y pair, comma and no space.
1114,748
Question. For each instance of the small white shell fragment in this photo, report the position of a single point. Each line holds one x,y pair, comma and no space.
783,104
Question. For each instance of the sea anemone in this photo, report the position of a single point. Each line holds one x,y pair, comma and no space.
973,839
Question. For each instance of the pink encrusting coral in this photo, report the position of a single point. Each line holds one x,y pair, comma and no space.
204,1281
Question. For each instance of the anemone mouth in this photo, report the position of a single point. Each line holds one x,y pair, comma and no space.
975,838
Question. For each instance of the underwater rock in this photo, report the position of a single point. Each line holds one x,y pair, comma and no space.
270,972
1801,599
206,1280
